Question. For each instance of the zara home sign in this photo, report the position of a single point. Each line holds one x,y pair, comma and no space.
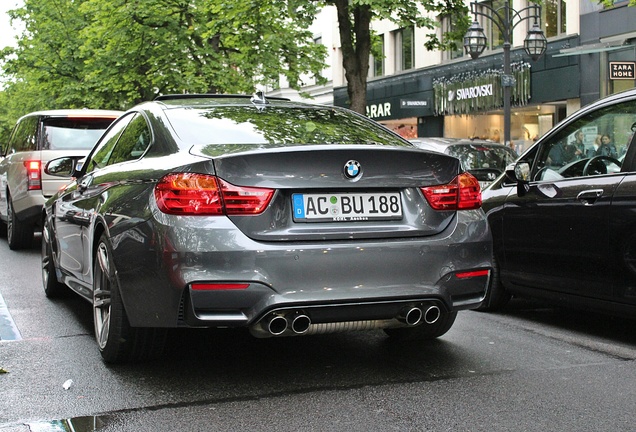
622,70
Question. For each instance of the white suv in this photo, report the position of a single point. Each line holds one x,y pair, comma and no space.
37,138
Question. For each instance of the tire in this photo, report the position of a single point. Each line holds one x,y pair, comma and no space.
118,342
496,297
52,287
19,234
424,331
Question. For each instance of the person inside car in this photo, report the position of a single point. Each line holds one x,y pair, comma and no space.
561,154
606,148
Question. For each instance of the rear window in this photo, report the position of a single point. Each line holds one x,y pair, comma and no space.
277,125
73,133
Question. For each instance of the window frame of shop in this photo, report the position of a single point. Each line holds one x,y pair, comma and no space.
494,36
404,49
553,18
448,25
376,63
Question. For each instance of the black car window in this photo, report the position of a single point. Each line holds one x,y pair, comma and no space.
133,141
104,148
481,156
594,144
24,136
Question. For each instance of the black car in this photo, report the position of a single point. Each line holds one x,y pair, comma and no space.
564,216
486,160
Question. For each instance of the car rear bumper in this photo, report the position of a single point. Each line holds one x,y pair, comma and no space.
328,281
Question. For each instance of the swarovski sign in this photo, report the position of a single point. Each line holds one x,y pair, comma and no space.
480,91
470,92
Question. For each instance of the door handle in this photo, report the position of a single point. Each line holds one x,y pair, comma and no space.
589,197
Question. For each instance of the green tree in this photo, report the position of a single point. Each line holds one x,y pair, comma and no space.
356,37
116,53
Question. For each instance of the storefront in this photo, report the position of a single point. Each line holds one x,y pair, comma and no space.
465,99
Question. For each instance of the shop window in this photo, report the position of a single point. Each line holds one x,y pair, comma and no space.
376,63
404,49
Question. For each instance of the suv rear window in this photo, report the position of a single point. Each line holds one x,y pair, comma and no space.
73,133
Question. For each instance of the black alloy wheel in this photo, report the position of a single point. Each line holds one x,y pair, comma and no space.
52,287
118,342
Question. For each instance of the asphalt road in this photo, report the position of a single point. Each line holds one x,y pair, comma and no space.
531,368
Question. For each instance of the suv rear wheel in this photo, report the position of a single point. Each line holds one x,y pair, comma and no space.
19,234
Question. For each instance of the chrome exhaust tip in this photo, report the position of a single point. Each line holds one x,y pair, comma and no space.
432,314
277,325
300,324
413,316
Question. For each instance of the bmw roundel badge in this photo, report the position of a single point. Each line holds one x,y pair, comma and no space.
352,169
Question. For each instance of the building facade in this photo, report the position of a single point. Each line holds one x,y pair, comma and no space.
590,53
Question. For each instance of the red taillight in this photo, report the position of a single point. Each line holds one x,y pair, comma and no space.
218,286
201,194
463,193
472,274
34,174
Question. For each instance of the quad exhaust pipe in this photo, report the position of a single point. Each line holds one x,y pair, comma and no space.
291,323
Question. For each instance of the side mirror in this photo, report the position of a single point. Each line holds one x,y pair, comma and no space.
522,172
522,177
63,167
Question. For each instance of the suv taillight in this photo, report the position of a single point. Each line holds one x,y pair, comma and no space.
463,193
34,174
201,194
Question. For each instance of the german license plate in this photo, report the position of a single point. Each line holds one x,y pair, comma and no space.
346,207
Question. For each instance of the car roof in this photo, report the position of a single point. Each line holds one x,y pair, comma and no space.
206,100
80,112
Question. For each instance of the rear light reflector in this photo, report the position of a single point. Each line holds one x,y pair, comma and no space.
202,194
472,274
218,286
463,193
34,174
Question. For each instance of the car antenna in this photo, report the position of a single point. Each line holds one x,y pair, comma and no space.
259,98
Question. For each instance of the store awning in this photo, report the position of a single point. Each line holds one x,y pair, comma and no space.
591,49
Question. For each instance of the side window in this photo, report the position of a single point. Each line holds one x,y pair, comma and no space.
104,148
133,142
595,144
24,136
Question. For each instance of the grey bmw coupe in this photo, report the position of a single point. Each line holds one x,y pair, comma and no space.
279,217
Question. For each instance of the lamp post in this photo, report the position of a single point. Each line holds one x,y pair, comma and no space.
506,19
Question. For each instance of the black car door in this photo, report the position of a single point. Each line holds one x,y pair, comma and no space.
556,232
623,231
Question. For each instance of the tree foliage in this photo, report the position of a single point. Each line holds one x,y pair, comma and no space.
116,53
356,37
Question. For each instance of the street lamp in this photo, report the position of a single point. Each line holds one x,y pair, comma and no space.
506,19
